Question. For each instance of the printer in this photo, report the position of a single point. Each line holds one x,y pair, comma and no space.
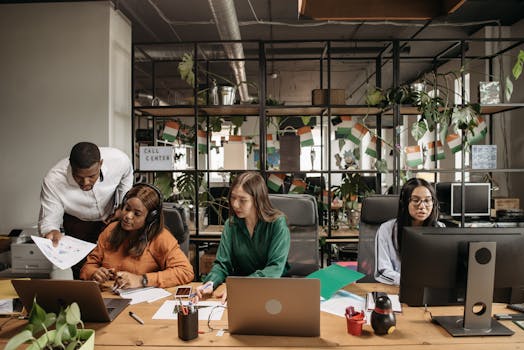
26,258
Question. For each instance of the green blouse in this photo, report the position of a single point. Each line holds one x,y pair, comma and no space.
262,255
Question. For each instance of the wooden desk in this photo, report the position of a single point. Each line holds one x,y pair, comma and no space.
413,332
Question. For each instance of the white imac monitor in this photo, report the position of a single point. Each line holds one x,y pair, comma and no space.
478,199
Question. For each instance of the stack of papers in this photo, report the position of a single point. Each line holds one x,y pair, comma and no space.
395,302
140,295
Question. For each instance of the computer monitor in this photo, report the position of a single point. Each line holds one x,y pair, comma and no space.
478,199
443,191
436,262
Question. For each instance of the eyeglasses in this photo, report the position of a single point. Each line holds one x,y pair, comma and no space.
428,202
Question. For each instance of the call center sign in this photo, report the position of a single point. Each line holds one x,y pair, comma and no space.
156,158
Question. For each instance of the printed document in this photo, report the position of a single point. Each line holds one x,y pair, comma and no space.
69,251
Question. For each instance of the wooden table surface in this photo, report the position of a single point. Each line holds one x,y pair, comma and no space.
414,331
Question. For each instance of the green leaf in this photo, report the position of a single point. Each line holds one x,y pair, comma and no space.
517,68
185,68
305,119
341,143
19,339
374,97
509,89
61,335
418,130
381,166
73,314
72,345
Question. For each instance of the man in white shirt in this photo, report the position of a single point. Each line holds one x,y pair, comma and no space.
83,193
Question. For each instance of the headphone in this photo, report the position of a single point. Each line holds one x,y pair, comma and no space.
154,213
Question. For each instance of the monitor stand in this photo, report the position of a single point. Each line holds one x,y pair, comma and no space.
477,318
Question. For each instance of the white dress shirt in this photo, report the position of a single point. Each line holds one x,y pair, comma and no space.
61,194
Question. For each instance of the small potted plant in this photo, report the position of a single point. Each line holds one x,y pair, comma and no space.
66,334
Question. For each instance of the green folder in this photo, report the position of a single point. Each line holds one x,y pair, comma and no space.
333,278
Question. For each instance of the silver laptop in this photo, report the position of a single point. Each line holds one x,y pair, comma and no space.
51,295
273,306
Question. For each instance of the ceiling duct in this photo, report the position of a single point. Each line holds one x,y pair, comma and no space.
226,20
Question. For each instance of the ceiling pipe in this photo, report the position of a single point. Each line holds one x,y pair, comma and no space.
226,20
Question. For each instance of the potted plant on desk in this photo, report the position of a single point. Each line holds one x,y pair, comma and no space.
66,334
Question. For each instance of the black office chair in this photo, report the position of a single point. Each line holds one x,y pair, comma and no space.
376,210
302,219
175,221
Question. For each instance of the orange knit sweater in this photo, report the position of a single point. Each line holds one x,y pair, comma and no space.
163,261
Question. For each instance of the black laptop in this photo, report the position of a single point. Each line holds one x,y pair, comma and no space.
52,295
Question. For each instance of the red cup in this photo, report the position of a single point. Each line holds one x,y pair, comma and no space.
355,323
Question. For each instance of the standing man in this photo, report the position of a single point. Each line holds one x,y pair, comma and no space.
83,193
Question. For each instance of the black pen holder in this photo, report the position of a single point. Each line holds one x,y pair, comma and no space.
188,325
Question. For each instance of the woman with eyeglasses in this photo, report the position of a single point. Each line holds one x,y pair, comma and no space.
418,206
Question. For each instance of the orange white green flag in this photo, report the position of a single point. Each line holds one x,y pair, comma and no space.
454,142
202,141
297,186
270,145
170,131
439,152
413,156
371,149
306,137
344,128
275,181
358,131
479,131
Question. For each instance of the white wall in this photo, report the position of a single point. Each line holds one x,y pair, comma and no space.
65,78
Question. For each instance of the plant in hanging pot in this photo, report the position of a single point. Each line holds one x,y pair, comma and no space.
222,94
66,334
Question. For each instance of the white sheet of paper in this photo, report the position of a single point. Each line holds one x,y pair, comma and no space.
338,303
145,294
205,308
69,251
6,306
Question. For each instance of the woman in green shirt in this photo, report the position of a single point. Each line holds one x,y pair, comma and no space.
255,241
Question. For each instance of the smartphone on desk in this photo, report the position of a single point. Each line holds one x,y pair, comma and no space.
183,291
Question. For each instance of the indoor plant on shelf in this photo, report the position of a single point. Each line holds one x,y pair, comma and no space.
66,334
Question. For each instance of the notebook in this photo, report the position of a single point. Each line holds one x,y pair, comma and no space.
51,295
273,306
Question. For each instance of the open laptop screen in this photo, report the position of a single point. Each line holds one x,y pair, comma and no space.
51,295
274,306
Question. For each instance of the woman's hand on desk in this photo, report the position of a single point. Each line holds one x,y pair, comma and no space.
206,290
103,275
127,280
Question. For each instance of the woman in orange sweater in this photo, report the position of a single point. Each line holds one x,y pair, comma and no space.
138,251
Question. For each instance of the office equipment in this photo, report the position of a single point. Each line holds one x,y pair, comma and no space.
54,294
274,306
376,210
516,307
27,258
302,220
434,264
136,317
512,317
333,278
467,266
478,199
183,291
